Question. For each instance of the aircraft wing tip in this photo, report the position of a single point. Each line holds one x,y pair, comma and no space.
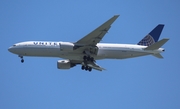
116,15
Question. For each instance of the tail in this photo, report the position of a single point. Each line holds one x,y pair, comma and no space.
156,46
153,36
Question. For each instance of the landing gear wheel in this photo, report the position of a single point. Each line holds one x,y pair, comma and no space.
22,60
82,67
90,69
86,68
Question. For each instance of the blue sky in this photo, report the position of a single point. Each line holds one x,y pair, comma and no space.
138,83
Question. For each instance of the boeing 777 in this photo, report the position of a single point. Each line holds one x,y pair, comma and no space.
85,51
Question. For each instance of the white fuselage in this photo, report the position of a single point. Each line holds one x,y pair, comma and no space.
105,50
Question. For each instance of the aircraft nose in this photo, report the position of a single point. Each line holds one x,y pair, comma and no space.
10,49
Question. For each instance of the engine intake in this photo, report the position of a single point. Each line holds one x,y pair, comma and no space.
64,64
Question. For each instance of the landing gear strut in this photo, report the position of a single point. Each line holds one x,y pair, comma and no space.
88,58
22,60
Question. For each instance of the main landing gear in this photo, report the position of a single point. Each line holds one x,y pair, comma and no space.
86,68
22,60
86,60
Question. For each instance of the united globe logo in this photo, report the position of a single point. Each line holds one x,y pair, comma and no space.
147,41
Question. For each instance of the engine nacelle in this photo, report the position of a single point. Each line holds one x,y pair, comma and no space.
66,46
64,64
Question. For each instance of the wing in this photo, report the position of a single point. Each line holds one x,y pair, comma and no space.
96,67
96,36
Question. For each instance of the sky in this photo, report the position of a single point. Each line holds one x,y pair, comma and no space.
138,83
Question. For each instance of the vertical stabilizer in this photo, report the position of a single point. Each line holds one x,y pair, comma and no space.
153,36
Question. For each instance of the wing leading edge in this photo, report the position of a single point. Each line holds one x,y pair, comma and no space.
96,36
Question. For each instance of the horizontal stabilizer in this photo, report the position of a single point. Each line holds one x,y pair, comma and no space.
157,45
158,55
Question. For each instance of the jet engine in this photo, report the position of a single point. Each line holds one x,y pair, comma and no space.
66,46
64,64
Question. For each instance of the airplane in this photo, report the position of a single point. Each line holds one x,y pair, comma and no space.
87,50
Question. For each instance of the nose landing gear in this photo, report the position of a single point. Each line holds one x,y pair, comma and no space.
22,60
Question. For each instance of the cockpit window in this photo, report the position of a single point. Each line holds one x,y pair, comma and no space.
14,45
